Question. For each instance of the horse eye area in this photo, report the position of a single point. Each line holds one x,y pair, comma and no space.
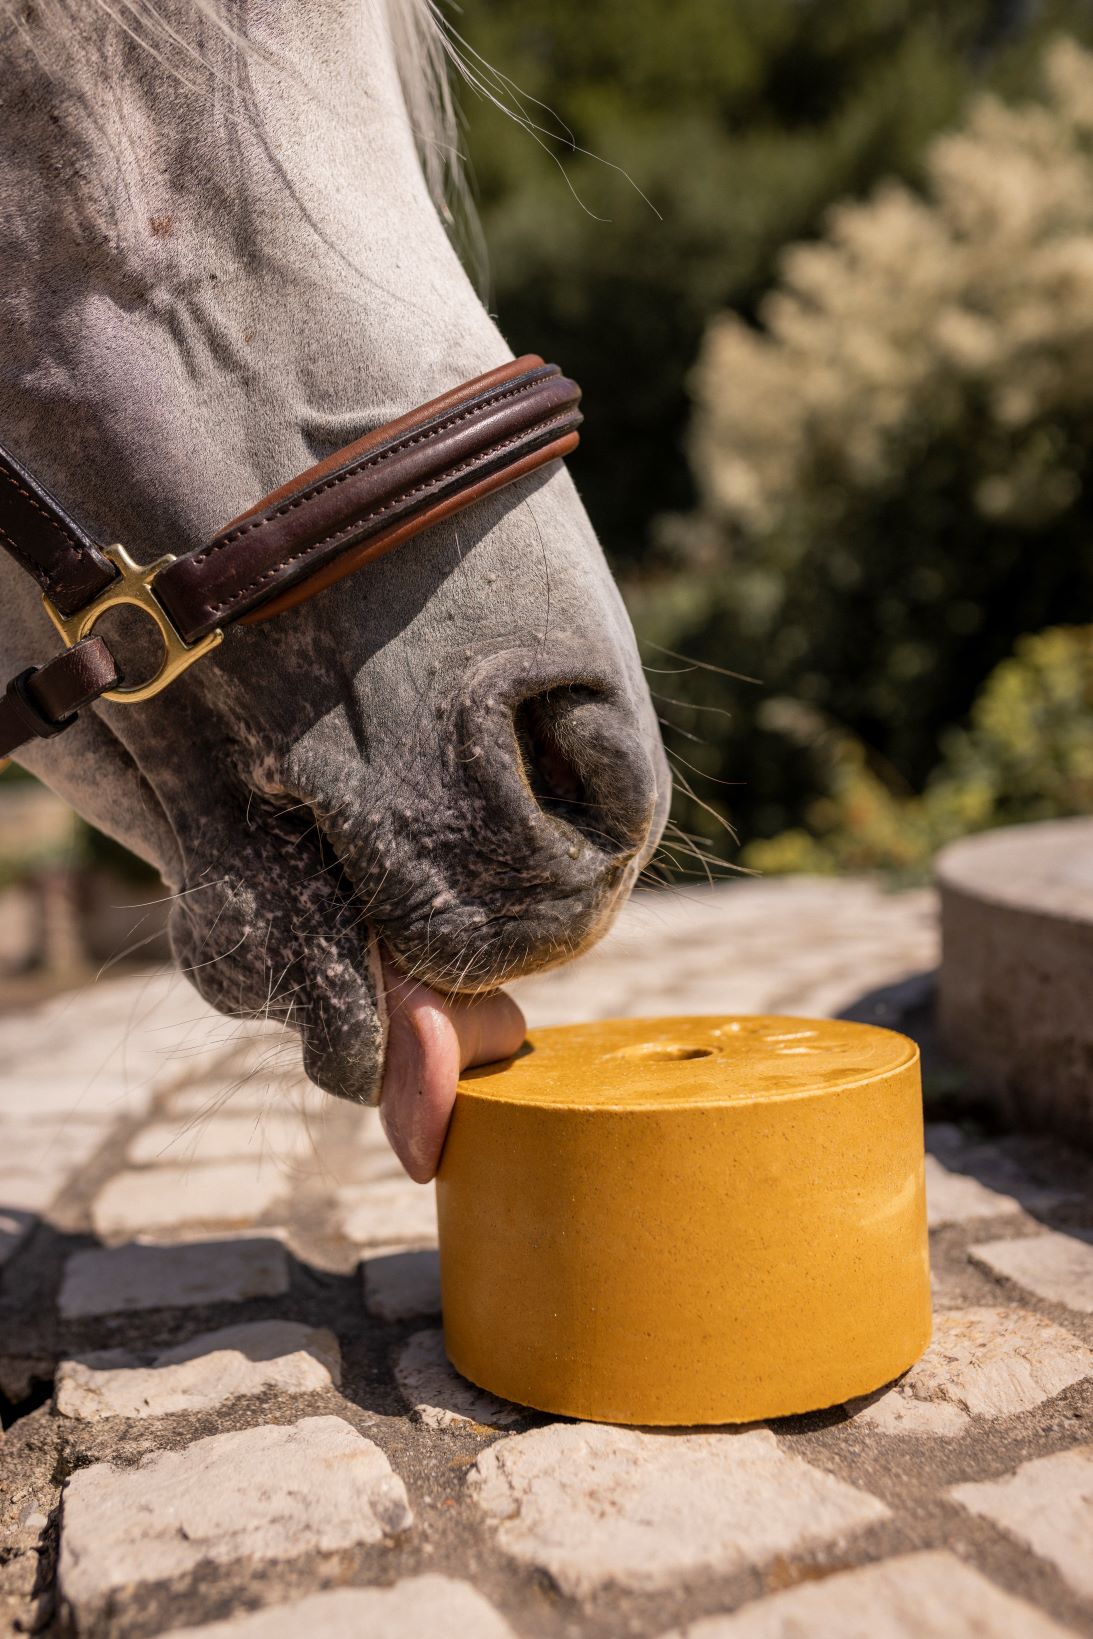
549,748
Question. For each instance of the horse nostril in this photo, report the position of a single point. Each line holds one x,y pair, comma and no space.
551,771
584,766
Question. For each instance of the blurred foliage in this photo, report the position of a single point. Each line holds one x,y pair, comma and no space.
738,123
894,465
38,832
894,419
1026,754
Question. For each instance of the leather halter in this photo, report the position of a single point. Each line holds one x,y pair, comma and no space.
356,505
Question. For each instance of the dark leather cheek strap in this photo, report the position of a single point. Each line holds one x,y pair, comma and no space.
50,545
43,700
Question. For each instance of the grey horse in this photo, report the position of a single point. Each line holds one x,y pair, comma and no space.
222,259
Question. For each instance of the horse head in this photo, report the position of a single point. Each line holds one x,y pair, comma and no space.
445,770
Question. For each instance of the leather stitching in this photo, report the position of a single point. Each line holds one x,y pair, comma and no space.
405,443
72,542
214,609
20,556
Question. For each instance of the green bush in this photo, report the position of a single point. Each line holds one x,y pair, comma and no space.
894,464
740,122
1026,754
879,572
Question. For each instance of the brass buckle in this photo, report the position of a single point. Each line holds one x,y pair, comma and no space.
135,586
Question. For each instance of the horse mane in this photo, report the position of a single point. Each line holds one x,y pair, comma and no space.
424,60
425,57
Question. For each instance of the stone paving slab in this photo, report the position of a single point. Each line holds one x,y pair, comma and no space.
104,1052
259,1494
248,1091
280,1136
146,1275
48,1145
402,1285
981,1363
683,952
1056,1268
439,1397
595,1506
27,1191
159,1198
16,1224
1047,1505
918,1596
418,1608
206,1371
388,1212
223,1414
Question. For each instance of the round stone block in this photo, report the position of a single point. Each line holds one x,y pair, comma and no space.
1017,970
692,1220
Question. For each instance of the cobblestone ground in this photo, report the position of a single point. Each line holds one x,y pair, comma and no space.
230,1414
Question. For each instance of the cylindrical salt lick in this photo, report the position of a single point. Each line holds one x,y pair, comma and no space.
683,1221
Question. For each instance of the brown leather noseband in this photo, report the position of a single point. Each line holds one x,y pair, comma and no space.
330,520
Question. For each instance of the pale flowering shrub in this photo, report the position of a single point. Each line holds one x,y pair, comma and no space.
896,463
967,314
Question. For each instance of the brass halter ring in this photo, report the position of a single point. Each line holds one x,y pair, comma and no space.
135,587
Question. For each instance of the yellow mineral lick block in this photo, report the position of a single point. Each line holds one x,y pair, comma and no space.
694,1220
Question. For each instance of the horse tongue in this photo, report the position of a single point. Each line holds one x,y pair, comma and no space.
429,1040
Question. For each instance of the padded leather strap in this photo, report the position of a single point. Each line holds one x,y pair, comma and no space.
324,524
43,700
443,451
516,466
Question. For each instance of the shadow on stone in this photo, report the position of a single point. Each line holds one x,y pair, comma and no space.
975,1170
162,1308
910,1006
402,1285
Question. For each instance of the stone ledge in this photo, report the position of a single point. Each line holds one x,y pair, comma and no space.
1017,970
